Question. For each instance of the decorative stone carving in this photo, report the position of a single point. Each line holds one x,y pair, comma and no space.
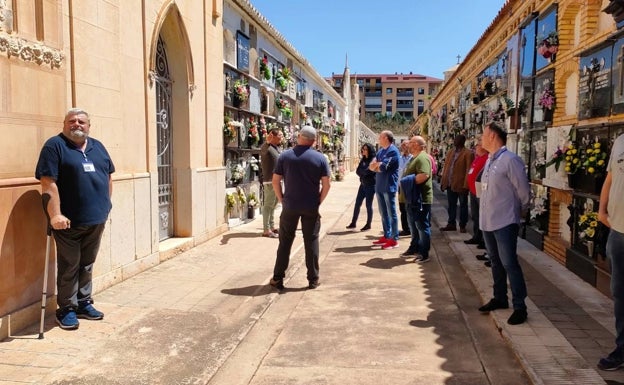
6,17
30,51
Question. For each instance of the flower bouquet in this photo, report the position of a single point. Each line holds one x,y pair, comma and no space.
252,201
548,45
241,89
587,225
284,106
230,202
557,157
238,172
230,129
547,99
265,71
282,77
240,194
253,135
572,160
595,161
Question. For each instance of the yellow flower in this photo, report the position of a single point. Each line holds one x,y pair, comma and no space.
567,169
575,160
582,219
597,145
589,151
593,224
601,162
590,232
568,157
591,170
574,151
592,158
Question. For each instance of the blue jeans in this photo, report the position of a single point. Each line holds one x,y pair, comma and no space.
501,248
452,208
310,226
387,210
420,226
367,192
615,253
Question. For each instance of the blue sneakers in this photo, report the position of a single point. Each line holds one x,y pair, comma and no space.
89,312
67,319
614,361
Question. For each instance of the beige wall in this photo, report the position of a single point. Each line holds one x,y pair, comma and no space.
107,48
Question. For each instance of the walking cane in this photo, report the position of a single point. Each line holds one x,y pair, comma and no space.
45,199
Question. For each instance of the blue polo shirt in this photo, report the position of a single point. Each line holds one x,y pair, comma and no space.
84,194
302,168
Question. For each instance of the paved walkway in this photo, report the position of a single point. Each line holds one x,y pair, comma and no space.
207,316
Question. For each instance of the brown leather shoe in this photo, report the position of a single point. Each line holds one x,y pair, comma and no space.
448,228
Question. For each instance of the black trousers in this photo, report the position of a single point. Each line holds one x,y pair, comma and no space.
474,213
76,249
310,226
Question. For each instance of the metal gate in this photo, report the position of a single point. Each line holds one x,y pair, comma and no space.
164,142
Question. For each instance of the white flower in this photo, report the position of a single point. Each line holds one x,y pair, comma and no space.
238,172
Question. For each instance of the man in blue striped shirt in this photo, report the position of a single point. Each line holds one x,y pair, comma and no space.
504,200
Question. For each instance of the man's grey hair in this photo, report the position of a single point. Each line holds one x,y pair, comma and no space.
77,111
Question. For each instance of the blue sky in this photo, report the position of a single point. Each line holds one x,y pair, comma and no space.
421,36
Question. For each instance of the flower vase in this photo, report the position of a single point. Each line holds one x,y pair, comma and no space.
571,181
236,101
590,248
547,115
251,212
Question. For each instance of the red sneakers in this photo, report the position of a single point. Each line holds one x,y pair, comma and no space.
380,241
391,244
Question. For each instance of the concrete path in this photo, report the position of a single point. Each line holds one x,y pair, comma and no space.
208,316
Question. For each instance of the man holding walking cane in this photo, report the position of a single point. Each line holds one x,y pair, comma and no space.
75,174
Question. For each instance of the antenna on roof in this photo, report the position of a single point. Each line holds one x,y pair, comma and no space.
346,60
458,57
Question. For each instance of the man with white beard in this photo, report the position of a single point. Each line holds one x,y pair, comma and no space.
76,187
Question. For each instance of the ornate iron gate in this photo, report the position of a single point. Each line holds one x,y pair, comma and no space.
164,142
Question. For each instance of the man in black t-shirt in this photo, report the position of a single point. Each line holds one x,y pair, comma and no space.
306,174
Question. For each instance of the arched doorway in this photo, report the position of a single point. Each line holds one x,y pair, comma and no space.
164,139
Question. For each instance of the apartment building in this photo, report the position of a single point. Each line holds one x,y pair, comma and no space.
406,94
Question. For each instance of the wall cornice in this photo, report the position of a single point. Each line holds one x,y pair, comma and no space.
30,51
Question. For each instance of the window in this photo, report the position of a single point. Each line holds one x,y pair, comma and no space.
421,91
388,91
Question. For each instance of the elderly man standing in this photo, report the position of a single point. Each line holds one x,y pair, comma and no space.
455,180
306,174
269,152
504,198
386,165
419,211
75,173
